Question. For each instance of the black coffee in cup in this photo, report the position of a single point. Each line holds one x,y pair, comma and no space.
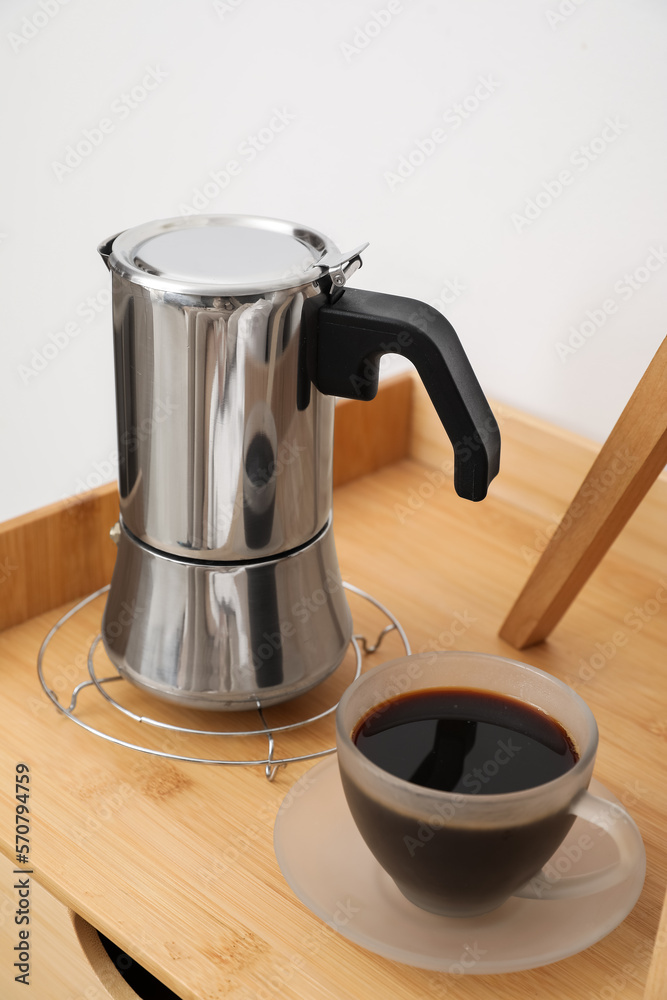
463,740
464,772
466,742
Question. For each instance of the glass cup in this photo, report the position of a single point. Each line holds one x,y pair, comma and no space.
465,854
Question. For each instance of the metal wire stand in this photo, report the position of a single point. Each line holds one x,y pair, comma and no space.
271,763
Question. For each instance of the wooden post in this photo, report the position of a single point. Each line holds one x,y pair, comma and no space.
629,462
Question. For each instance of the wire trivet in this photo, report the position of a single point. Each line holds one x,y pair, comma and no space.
270,762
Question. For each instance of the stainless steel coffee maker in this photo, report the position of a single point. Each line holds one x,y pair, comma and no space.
232,337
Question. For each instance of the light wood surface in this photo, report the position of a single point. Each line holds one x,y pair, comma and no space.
87,944
56,553
368,436
541,469
69,962
174,861
656,983
628,464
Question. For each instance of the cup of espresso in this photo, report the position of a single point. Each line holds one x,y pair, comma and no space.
464,772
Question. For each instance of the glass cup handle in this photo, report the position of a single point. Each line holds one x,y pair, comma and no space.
619,825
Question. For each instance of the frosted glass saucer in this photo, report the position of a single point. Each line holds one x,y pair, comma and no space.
329,867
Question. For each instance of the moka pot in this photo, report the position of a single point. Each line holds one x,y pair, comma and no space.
232,337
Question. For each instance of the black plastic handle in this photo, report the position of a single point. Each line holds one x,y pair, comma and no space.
351,335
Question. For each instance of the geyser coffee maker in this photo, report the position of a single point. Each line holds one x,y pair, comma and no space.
232,337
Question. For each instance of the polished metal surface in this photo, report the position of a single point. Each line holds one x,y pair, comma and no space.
225,448
271,763
226,637
223,255
225,462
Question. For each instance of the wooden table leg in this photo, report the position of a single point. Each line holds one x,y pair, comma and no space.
656,984
629,462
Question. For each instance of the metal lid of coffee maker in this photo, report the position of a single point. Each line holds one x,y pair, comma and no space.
225,255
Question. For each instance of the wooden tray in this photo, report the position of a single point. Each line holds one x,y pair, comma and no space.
174,861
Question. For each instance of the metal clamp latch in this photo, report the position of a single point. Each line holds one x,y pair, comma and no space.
341,266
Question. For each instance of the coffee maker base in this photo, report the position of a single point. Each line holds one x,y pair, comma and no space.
224,637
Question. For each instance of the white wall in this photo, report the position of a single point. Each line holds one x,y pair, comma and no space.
358,101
